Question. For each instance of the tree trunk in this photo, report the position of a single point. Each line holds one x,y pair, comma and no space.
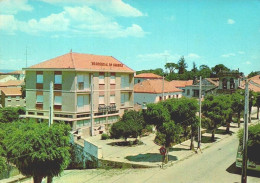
238,119
191,141
49,179
249,117
213,135
228,127
37,179
257,112
166,155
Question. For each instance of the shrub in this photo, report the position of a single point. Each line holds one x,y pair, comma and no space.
104,136
253,142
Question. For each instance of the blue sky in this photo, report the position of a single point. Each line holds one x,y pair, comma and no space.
142,34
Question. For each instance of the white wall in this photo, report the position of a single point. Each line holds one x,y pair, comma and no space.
153,98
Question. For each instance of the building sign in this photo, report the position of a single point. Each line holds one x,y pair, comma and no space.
107,64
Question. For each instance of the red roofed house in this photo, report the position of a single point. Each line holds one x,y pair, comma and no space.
146,76
72,75
11,97
152,91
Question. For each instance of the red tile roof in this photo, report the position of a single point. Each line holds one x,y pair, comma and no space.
148,76
12,83
11,91
83,61
214,81
181,83
155,86
257,77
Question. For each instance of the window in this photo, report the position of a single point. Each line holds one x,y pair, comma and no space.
124,98
224,83
124,81
80,82
57,100
232,83
57,79
188,91
160,98
82,100
17,97
83,81
39,99
112,78
112,99
101,78
101,99
39,78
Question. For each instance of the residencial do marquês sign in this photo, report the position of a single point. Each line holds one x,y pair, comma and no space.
107,64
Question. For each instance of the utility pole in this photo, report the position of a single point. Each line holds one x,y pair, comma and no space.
51,105
92,106
245,137
199,127
164,78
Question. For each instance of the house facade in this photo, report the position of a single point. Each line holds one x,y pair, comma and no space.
79,80
11,97
153,91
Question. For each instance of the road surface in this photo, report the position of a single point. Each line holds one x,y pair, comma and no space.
215,164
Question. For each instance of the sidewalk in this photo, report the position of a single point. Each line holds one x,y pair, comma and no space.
148,153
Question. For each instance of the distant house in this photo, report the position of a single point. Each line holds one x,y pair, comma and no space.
146,76
209,85
153,91
182,84
5,78
19,75
12,97
253,83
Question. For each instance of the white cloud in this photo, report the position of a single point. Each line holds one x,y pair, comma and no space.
230,21
241,52
112,7
228,55
192,56
117,8
8,22
11,7
248,62
163,56
75,21
166,55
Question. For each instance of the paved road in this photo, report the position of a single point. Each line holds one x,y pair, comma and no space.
215,164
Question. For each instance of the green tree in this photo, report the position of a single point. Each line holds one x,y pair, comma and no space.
238,104
38,150
170,133
253,150
9,114
183,111
218,68
130,125
171,66
252,74
227,110
212,108
252,102
182,65
127,128
257,103
156,114
194,68
204,71
133,115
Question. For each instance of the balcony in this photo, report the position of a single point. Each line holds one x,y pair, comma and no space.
103,108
